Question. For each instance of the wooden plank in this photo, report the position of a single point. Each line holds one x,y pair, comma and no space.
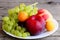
46,38
5,5
21,1
50,38
10,4
5,1
3,12
52,0
0,17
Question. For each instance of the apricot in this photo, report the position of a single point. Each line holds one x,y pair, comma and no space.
22,16
49,25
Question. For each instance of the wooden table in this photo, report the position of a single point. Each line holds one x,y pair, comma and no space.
54,8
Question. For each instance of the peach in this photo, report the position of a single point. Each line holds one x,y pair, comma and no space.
45,14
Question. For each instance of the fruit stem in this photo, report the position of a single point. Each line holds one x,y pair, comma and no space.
34,4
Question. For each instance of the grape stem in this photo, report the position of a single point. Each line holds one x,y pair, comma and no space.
34,4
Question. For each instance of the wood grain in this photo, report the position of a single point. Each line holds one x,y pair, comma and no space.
5,1
50,38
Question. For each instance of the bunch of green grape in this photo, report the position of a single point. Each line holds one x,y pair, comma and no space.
10,22
13,28
31,9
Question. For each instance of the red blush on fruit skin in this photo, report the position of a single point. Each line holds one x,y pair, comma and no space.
41,11
45,16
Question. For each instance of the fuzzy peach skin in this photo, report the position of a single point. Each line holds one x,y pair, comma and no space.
45,14
50,15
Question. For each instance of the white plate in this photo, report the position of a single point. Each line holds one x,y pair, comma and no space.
42,35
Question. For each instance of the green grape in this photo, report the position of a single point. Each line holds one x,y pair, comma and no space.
13,15
12,20
7,28
11,11
28,8
3,27
8,23
12,31
11,23
31,13
16,9
3,23
18,28
16,17
22,30
5,18
27,33
22,7
17,33
24,35
16,24
34,11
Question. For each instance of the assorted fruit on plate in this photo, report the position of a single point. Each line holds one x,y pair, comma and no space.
29,22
